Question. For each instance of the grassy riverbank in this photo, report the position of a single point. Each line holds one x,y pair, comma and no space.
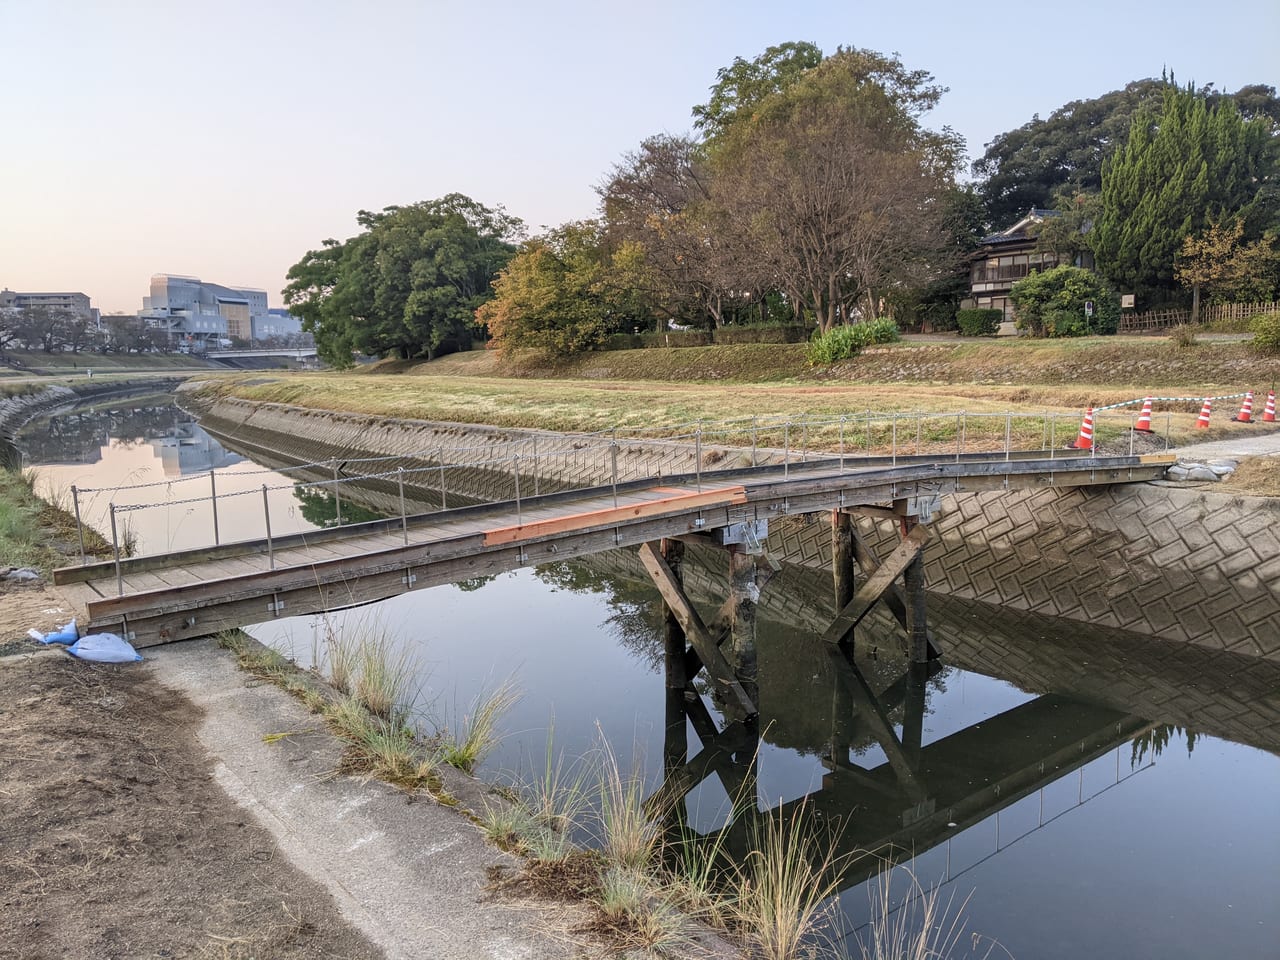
32,532
648,388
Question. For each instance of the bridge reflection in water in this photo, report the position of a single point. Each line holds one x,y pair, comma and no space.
896,781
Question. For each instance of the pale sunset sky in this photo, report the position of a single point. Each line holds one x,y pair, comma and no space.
226,139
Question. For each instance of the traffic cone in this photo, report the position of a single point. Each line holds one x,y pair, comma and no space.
1269,413
1246,410
1144,418
1203,422
1085,440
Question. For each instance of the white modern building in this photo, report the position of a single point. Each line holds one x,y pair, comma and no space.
200,313
278,322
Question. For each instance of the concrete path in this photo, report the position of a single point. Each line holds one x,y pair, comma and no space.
1263,445
409,874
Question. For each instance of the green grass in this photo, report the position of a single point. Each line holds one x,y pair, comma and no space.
29,526
477,732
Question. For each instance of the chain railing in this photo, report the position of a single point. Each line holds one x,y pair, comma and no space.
443,477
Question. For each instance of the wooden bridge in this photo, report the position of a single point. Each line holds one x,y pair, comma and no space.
166,597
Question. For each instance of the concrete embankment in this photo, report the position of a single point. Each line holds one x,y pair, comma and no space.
545,461
15,411
1181,562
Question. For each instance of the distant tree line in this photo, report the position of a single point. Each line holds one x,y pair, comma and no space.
811,191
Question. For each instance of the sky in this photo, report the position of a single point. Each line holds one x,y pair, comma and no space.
224,140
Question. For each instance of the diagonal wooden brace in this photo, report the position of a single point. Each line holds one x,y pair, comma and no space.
877,585
703,643
865,554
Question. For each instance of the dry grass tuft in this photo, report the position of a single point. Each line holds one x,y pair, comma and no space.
1256,476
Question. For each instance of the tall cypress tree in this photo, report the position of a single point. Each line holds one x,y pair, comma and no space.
1186,164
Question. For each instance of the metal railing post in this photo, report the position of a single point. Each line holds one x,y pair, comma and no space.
918,425
404,518
958,438
115,552
213,500
964,429
697,454
1053,434
613,470
266,516
753,440
842,443
868,431
1008,433
444,505
1132,433
515,475
804,440
1168,427
893,443
786,449
75,502
337,497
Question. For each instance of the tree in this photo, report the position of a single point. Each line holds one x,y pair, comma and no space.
564,292
1219,260
837,185
1066,235
1024,168
1053,303
744,84
409,284
1064,152
659,197
1185,165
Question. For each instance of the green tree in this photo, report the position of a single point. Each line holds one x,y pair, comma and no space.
1064,152
1053,303
565,292
1185,165
409,284
745,84
836,184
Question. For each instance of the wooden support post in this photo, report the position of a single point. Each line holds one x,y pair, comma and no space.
913,711
745,596
708,651
675,752
876,585
842,557
917,609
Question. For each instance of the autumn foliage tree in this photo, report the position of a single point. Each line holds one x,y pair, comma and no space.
564,292
1220,261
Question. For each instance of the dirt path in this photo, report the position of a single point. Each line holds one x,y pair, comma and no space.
117,841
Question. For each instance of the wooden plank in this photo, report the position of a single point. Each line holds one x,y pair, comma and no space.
615,515
696,632
876,585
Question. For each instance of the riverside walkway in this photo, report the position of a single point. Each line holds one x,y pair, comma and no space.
192,593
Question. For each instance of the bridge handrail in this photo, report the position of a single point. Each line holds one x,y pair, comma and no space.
522,467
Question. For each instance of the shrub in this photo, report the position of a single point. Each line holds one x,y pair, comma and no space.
848,340
1052,303
1266,332
979,322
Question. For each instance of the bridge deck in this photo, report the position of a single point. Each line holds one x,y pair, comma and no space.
156,599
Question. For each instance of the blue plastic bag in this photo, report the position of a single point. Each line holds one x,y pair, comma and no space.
64,634
104,648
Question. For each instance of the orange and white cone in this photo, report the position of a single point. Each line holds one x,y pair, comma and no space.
1246,410
1269,412
1144,418
1203,422
1085,440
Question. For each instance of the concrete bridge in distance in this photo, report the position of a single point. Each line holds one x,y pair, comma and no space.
173,596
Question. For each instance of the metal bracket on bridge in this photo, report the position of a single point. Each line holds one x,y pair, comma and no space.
276,605
749,533
409,578
921,508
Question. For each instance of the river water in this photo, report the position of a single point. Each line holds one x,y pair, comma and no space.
1083,793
